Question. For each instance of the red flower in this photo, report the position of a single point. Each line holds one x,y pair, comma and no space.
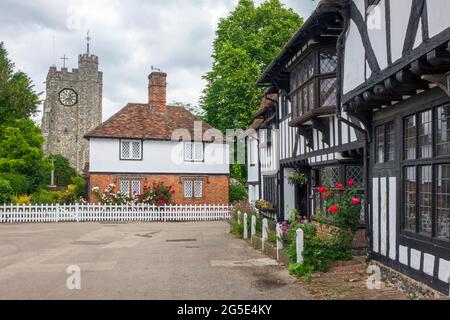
340,186
356,201
351,182
160,202
322,189
334,208
173,191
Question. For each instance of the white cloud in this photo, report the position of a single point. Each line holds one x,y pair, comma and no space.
128,36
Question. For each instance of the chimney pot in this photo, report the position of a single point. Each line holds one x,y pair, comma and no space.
157,90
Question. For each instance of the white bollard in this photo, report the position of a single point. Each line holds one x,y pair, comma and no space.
265,232
239,217
253,231
245,226
279,242
300,246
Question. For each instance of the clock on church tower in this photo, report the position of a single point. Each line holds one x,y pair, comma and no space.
68,97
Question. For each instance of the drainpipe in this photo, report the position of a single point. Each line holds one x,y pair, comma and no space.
345,12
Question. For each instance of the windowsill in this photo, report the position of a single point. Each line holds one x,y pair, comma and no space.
314,113
131,159
423,242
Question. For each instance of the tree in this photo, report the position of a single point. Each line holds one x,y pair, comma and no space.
21,152
246,42
18,99
64,172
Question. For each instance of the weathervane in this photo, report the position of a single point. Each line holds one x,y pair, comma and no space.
88,39
155,69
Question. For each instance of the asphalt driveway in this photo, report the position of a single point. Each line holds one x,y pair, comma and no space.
137,261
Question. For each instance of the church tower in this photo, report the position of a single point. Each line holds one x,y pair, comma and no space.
72,108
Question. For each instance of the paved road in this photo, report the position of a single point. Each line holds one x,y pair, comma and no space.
137,261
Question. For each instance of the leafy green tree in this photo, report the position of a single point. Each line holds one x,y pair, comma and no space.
246,42
18,182
6,191
64,172
17,96
21,152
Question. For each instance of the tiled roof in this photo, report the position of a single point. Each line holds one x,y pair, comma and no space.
140,121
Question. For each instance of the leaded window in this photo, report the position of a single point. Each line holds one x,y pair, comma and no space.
443,131
193,188
385,143
443,202
198,189
426,174
130,187
313,82
131,150
188,188
194,152
410,138
356,173
329,177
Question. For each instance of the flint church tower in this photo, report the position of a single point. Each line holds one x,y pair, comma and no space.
72,108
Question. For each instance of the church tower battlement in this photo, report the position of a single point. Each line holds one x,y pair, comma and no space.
72,108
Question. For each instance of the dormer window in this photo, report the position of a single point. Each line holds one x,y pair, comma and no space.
130,150
313,82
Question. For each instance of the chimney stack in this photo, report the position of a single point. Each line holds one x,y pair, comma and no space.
157,86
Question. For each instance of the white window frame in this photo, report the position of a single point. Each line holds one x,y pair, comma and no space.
191,194
196,183
130,184
193,155
131,156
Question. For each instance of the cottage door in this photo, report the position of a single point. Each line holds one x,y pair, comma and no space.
301,194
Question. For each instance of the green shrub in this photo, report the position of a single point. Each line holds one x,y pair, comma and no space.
64,172
6,191
19,183
238,192
46,197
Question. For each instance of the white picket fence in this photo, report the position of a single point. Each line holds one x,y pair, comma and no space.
123,213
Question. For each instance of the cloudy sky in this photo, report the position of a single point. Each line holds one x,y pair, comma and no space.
128,36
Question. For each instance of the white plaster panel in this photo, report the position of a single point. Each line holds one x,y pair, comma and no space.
376,230
444,270
383,221
400,12
415,259
289,194
438,16
403,255
354,59
428,264
376,27
393,218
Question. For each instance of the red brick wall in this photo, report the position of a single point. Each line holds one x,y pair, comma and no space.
215,188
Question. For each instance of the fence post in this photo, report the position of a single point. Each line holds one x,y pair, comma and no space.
245,226
253,228
239,216
279,241
77,212
265,232
300,246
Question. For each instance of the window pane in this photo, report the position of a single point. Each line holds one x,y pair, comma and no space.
311,96
137,150
329,177
390,143
425,199
328,92
410,199
198,189
443,131
125,187
188,151
136,187
356,173
126,149
188,189
379,144
425,134
198,151
410,138
443,202
305,100
328,62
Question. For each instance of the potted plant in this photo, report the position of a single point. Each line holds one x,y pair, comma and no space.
297,178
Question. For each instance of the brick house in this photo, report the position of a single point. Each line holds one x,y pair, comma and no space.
144,143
